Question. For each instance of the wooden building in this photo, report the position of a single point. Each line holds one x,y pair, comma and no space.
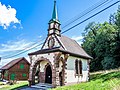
61,60
17,69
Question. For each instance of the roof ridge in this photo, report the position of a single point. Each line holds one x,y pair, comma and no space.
17,60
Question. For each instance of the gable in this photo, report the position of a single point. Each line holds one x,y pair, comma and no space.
13,63
56,42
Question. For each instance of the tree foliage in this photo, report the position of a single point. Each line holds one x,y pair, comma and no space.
102,42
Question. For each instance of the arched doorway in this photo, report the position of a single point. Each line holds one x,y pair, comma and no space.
48,75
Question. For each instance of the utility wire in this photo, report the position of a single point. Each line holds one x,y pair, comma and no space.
90,17
28,47
68,29
23,51
87,11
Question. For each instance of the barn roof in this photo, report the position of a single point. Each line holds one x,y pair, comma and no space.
12,63
68,45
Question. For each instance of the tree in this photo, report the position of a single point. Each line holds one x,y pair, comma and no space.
116,49
98,41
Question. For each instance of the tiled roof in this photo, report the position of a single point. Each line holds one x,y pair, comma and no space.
13,62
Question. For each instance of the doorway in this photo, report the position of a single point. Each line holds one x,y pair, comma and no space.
48,75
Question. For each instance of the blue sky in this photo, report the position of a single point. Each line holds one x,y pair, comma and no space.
23,22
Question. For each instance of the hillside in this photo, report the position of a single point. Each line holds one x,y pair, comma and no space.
99,81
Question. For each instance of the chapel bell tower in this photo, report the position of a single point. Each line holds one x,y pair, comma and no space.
54,23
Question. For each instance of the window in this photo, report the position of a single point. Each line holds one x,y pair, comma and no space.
78,67
12,76
21,66
24,75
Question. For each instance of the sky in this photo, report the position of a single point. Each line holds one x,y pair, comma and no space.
25,22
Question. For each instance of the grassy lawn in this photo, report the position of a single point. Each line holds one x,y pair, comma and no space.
15,86
108,81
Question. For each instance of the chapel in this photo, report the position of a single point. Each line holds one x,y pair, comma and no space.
61,60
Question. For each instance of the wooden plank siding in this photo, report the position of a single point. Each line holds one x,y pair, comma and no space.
16,72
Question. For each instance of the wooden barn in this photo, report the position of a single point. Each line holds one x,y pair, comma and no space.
17,69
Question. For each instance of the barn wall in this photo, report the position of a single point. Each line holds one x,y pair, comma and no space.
19,72
5,75
71,77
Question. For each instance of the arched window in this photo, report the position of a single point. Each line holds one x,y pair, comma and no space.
78,67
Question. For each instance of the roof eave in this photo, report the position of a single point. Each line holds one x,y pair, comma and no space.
58,49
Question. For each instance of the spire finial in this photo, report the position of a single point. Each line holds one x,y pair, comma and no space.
54,1
54,15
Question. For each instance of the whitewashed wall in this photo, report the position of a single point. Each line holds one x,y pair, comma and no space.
42,66
71,78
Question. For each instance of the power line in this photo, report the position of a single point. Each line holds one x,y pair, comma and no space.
67,29
90,17
23,51
87,11
28,47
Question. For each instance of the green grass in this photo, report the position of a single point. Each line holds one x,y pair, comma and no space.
108,81
19,84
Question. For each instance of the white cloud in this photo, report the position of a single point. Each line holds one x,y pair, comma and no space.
11,48
7,16
78,39
15,45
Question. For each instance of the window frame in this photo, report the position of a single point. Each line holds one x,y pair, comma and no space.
24,74
22,67
78,67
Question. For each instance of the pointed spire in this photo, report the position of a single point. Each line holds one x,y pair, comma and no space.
54,14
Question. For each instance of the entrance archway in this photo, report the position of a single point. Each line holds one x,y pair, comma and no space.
42,71
48,75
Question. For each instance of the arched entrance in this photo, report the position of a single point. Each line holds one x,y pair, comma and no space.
48,74
44,70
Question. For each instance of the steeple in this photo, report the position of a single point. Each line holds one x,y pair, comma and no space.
54,14
54,24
